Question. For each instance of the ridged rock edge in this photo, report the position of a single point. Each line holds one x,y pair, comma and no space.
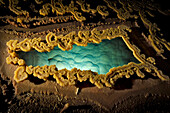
66,77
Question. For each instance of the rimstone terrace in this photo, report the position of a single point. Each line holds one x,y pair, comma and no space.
84,56
65,43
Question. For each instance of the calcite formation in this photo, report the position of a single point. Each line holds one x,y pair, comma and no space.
95,57
57,33
81,39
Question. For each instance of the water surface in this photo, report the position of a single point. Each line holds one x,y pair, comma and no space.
96,57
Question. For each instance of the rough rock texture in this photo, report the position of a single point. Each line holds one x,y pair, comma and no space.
149,25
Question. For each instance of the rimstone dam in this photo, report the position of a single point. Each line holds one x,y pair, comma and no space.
84,56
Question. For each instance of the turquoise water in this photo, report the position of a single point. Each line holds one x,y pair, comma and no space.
96,57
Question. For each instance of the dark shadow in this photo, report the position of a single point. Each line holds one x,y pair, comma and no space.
50,78
77,108
84,84
127,83
123,83
148,75
35,80
2,23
